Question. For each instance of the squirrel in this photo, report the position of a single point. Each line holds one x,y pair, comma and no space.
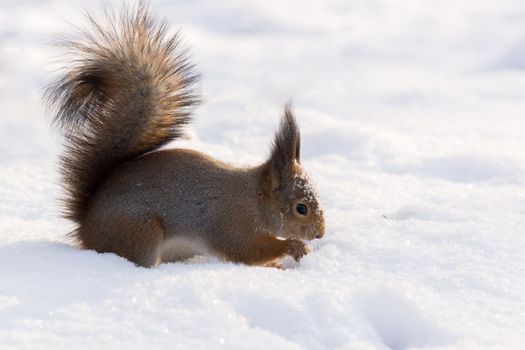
128,90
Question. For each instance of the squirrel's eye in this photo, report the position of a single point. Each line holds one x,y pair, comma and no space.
301,209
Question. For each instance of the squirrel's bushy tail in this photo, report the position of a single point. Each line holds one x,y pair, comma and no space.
127,90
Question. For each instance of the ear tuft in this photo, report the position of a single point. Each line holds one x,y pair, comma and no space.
291,130
287,144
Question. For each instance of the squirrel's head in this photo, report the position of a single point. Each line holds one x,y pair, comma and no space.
289,196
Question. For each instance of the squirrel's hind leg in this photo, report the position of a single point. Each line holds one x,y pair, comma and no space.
134,237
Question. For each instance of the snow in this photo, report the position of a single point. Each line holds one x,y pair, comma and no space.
412,128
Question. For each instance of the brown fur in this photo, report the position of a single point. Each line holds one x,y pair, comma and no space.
127,93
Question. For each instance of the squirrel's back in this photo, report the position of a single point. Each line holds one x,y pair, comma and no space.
127,90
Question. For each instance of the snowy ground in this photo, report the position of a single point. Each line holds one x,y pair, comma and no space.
413,129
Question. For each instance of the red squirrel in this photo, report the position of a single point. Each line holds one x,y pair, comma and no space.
127,90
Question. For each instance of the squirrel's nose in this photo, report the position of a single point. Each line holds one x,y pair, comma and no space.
320,233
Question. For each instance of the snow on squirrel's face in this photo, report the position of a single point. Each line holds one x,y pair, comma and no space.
302,216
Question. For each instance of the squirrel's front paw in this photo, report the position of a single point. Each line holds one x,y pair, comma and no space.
297,248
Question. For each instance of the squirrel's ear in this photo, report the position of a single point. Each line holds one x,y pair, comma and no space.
287,143
286,149
286,152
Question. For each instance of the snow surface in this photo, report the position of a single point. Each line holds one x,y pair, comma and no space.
412,120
